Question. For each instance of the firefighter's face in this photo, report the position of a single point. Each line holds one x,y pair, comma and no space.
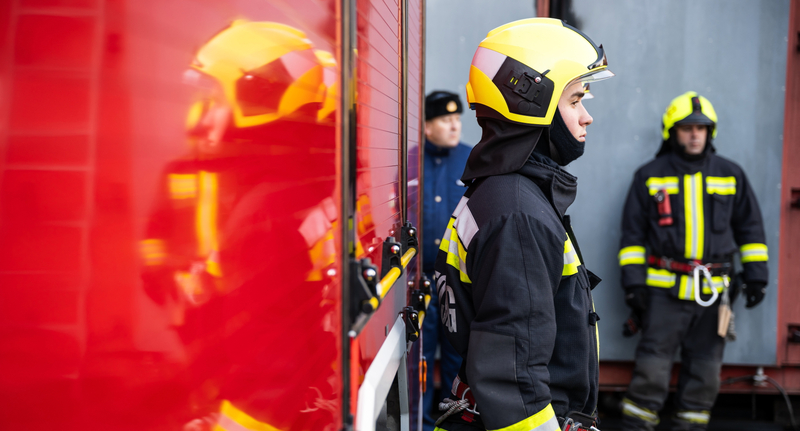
213,124
444,131
573,112
692,137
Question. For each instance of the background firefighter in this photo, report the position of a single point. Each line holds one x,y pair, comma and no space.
688,207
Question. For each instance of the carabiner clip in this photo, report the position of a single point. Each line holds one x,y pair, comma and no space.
473,411
697,284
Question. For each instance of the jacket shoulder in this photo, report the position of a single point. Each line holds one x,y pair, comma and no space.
512,194
657,165
723,165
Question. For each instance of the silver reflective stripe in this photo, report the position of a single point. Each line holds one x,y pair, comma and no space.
697,417
453,249
461,204
465,225
695,221
550,425
570,257
662,278
488,61
631,255
751,253
632,410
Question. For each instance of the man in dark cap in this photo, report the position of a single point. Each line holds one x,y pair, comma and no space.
445,157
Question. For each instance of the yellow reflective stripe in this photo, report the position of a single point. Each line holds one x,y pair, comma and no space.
695,221
694,416
153,251
456,254
686,289
717,283
212,264
182,186
233,419
670,184
596,334
629,408
721,185
445,244
660,278
754,252
206,222
571,259
632,255
545,420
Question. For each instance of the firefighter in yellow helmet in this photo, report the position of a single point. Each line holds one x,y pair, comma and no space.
249,78
514,293
262,102
688,212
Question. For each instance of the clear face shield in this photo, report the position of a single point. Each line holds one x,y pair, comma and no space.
587,94
598,71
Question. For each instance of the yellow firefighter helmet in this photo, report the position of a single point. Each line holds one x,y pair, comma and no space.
520,69
689,108
266,70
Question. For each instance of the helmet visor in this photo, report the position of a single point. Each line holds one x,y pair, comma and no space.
696,118
595,76
587,94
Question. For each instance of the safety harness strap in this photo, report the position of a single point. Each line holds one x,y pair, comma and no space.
687,267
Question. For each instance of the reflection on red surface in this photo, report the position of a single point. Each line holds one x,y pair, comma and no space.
168,215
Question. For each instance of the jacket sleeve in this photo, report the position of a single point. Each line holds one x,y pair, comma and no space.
632,254
748,232
515,267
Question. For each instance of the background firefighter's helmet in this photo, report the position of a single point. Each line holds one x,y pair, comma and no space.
266,70
520,69
689,108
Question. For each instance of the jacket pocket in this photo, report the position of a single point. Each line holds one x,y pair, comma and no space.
721,212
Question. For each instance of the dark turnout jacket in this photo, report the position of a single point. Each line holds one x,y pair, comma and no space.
516,299
714,215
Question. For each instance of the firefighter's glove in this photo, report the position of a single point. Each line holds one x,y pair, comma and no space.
632,325
754,292
638,298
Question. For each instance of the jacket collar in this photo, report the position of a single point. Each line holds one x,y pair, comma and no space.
559,186
434,150
688,166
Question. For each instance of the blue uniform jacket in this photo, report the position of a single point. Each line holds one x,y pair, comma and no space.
442,191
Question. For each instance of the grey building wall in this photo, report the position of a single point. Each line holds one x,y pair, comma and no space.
453,30
731,51
734,53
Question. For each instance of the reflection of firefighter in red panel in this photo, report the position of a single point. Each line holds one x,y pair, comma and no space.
241,242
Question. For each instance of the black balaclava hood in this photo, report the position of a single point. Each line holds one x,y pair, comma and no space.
671,145
504,148
567,147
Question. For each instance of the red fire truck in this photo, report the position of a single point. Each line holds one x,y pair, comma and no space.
209,213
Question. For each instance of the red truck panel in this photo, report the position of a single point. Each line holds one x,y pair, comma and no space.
146,278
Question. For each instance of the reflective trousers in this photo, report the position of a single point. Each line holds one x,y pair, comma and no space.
668,324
